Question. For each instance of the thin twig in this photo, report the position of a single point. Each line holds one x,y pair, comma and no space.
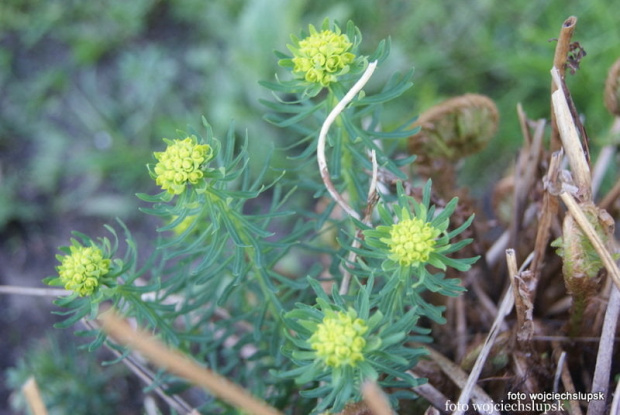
603,161
526,172
430,393
375,398
36,291
175,402
567,380
559,61
459,377
558,371
549,211
320,150
371,201
610,197
570,139
495,251
461,327
613,194
602,370
372,191
33,397
182,366
505,308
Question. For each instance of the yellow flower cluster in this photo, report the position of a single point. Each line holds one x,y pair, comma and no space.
322,55
81,271
181,164
411,241
339,340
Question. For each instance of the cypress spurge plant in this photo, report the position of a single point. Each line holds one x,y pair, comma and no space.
218,284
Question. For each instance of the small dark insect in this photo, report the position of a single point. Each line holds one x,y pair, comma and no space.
575,54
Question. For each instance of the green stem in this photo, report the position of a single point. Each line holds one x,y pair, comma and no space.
251,250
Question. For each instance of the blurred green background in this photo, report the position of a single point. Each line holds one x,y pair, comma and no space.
89,88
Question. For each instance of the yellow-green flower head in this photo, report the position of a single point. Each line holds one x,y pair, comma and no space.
181,164
339,340
323,55
82,270
411,241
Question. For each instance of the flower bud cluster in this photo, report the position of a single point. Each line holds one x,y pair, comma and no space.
181,164
339,340
82,270
411,241
322,55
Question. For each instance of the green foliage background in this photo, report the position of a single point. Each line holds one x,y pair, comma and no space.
88,89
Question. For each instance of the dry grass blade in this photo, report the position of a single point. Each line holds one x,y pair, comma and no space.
605,158
525,171
612,89
182,366
567,380
175,402
602,371
505,308
559,61
614,193
430,393
459,377
570,139
610,197
42,292
320,148
549,212
375,399
33,397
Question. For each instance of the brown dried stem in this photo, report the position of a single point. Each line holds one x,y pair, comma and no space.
559,61
375,399
33,397
612,89
430,393
549,210
600,382
137,366
524,287
505,308
182,366
320,149
371,201
614,193
567,380
525,171
570,139
459,377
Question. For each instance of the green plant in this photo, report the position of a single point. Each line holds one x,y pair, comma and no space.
219,284
70,380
